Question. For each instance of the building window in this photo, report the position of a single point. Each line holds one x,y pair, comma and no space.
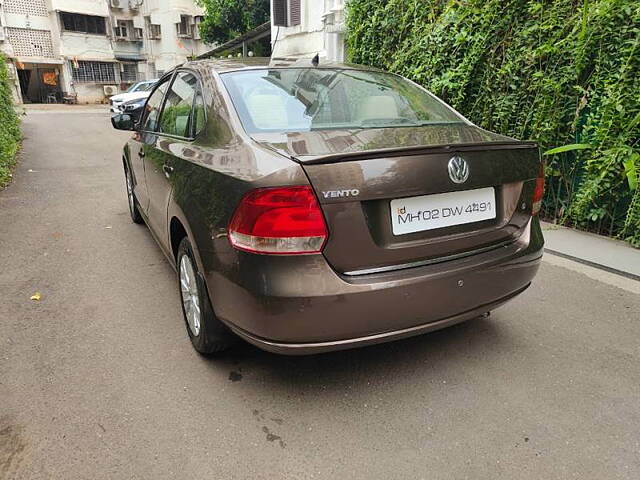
93,72
138,32
197,20
129,72
122,29
294,12
74,22
154,31
286,13
184,27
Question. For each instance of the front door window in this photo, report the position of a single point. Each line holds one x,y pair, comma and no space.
154,106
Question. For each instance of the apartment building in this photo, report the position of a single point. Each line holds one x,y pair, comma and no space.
91,49
304,28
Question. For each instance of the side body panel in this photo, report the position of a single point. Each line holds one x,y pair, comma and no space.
212,173
136,163
159,159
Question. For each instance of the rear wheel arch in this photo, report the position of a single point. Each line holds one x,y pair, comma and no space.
178,228
177,232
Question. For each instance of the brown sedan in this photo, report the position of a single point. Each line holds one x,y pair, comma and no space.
313,208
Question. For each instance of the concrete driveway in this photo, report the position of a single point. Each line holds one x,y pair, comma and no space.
98,379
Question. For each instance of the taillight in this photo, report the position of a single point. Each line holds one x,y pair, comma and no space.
538,192
281,220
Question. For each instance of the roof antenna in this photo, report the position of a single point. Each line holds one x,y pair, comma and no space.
315,60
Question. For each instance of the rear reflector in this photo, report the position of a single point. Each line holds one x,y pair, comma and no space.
279,221
538,192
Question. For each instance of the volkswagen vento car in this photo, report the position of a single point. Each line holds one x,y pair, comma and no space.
309,208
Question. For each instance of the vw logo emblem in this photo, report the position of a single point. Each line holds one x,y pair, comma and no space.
458,169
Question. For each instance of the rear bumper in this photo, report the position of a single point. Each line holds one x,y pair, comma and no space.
321,347
299,305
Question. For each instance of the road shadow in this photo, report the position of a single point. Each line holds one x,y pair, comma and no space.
427,355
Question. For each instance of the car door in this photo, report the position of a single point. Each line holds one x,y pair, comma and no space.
145,136
174,134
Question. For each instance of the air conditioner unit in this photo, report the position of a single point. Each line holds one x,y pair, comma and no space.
135,4
116,3
110,90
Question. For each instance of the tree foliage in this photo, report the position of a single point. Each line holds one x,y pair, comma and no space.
558,71
226,19
9,126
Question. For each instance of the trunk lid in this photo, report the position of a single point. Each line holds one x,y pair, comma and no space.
362,177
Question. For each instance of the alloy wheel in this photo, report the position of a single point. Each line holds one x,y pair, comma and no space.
189,292
130,197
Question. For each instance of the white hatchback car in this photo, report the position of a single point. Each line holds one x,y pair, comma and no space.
135,91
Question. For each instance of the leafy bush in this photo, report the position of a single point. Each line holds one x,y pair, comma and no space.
226,19
9,126
558,71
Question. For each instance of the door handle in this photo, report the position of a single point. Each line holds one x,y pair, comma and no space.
141,153
167,170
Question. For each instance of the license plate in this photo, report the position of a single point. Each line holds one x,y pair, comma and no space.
428,212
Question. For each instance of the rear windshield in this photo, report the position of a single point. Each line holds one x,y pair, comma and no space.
303,99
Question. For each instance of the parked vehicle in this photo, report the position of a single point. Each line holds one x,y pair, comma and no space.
136,91
134,108
314,208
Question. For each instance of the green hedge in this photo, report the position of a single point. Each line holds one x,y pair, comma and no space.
9,126
560,72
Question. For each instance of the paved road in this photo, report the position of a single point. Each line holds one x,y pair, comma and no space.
98,379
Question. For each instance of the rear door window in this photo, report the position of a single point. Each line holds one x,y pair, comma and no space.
177,115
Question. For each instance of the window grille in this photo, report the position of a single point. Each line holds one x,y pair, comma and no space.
94,72
184,27
26,7
74,22
30,43
129,72
154,31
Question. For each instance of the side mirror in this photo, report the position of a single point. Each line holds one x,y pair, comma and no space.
123,121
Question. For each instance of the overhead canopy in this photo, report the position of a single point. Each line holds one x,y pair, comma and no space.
257,33
129,57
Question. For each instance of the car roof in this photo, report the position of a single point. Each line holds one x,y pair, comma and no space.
253,63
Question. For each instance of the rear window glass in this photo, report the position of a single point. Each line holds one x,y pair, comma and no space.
303,99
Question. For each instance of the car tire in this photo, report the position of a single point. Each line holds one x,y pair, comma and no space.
131,198
208,334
